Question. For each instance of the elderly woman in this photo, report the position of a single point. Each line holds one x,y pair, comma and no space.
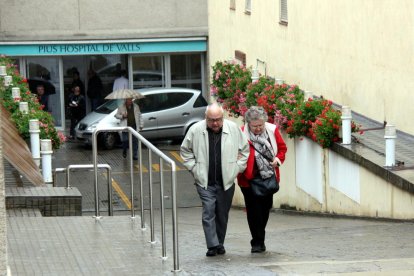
267,153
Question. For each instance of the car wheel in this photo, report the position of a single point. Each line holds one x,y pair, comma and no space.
109,140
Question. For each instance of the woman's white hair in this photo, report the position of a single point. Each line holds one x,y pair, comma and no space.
255,113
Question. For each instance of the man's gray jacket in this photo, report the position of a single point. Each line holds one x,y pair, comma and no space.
234,152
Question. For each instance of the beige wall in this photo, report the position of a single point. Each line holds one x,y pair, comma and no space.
356,53
101,19
378,198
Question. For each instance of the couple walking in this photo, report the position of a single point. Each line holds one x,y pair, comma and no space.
216,151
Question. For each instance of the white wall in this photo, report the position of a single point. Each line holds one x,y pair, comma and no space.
356,53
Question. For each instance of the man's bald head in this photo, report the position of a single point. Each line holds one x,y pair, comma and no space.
214,117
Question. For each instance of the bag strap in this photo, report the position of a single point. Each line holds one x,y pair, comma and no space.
267,158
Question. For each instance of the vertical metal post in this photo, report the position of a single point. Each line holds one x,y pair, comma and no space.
95,169
174,217
390,137
346,125
255,75
46,151
150,196
24,107
162,208
307,95
7,80
35,140
16,94
110,205
131,170
141,194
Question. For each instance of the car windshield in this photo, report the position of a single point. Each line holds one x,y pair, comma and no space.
108,107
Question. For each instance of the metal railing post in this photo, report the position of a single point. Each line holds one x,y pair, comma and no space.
162,209
95,171
150,197
151,148
174,216
131,170
141,197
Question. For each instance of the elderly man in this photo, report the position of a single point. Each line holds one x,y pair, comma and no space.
215,151
130,115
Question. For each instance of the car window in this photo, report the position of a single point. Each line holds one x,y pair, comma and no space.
174,99
108,107
200,102
148,104
162,101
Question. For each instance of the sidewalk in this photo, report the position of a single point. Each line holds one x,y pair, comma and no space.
296,245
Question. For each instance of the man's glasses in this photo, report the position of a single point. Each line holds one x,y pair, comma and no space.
215,120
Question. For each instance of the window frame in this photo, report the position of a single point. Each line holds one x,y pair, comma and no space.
283,12
248,7
233,5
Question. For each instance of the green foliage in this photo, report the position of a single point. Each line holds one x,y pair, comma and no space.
232,86
47,129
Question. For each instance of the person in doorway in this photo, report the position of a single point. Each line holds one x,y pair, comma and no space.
76,108
215,151
76,81
130,115
266,144
95,89
121,82
42,97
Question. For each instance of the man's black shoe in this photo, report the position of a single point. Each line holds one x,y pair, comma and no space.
124,154
258,248
211,252
221,250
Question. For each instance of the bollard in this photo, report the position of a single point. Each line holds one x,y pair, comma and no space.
7,81
3,71
16,94
390,136
279,81
24,107
255,75
46,151
308,95
346,125
34,140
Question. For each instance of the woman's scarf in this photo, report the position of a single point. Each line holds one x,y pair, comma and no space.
263,148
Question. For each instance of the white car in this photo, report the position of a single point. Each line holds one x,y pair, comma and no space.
167,113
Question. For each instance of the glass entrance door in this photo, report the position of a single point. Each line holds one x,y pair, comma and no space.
45,70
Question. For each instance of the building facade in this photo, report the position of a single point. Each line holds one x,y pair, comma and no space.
158,43
355,53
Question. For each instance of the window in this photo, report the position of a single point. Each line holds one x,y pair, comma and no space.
233,4
248,8
200,102
240,56
283,12
148,71
186,71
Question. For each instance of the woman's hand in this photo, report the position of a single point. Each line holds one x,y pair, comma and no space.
275,163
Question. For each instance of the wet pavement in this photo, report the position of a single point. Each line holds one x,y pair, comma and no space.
296,244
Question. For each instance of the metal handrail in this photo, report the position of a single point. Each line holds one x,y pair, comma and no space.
88,166
162,156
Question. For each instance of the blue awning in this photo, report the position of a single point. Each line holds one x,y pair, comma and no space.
103,48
